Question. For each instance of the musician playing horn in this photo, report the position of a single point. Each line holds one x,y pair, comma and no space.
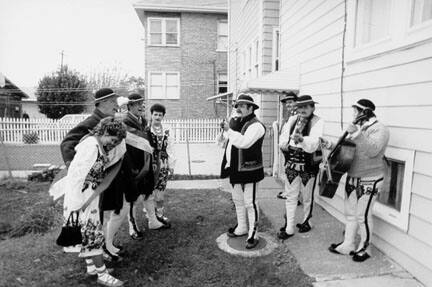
364,179
299,141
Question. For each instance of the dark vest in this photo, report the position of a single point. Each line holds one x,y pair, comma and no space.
246,165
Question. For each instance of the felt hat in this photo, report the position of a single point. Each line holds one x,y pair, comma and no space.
288,96
103,94
245,99
305,100
134,98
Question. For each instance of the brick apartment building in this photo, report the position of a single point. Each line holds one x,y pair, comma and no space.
185,55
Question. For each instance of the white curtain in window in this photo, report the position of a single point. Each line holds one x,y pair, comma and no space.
373,20
421,11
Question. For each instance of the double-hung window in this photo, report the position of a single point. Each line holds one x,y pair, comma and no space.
222,40
256,61
276,49
421,11
373,21
164,85
222,83
163,31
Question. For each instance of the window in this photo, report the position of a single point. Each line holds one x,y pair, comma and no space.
164,85
394,198
275,49
222,83
163,31
373,21
391,193
256,59
249,63
243,63
421,11
222,41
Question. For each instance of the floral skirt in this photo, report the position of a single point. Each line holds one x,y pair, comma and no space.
91,230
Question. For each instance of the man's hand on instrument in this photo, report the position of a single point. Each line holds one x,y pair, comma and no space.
297,138
352,128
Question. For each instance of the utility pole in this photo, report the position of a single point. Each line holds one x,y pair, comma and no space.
61,65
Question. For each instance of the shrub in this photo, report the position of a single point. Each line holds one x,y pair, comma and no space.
46,175
31,138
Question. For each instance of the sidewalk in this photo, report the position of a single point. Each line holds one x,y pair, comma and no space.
310,249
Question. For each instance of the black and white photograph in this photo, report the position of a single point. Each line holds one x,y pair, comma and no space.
211,143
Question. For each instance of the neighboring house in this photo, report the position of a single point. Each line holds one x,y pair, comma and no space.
30,105
385,48
185,55
10,98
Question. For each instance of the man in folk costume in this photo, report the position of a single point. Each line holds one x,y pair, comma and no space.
243,164
141,156
112,200
364,179
299,141
163,159
289,101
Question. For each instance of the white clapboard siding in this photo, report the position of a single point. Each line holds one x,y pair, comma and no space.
53,131
399,82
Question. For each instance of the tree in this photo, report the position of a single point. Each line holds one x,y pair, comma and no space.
116,79
63,92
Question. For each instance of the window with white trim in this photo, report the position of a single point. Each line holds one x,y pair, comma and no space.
222,86
276,49
373,21
249,61
163,31
421,11
222,40
256,61
164,85
393,200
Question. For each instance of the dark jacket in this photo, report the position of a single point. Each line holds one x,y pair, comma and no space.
74,136
141,161
112,197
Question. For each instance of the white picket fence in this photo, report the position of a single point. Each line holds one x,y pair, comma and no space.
53,131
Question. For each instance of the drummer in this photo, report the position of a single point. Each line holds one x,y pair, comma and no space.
364,179
299,140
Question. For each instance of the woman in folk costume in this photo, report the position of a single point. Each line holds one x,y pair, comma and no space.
299,140
364,179
163,158
80,188
141,154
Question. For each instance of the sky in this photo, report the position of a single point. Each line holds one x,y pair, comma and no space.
95,35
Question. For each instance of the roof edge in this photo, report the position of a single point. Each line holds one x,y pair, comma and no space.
182,8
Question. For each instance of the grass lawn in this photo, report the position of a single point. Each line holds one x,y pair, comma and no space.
186,255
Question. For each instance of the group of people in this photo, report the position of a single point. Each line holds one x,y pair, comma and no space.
302,144
112,164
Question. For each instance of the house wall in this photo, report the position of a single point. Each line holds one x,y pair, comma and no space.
399,82
197,61
249,21
32,109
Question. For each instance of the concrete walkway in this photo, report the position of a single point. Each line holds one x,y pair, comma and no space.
310,249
